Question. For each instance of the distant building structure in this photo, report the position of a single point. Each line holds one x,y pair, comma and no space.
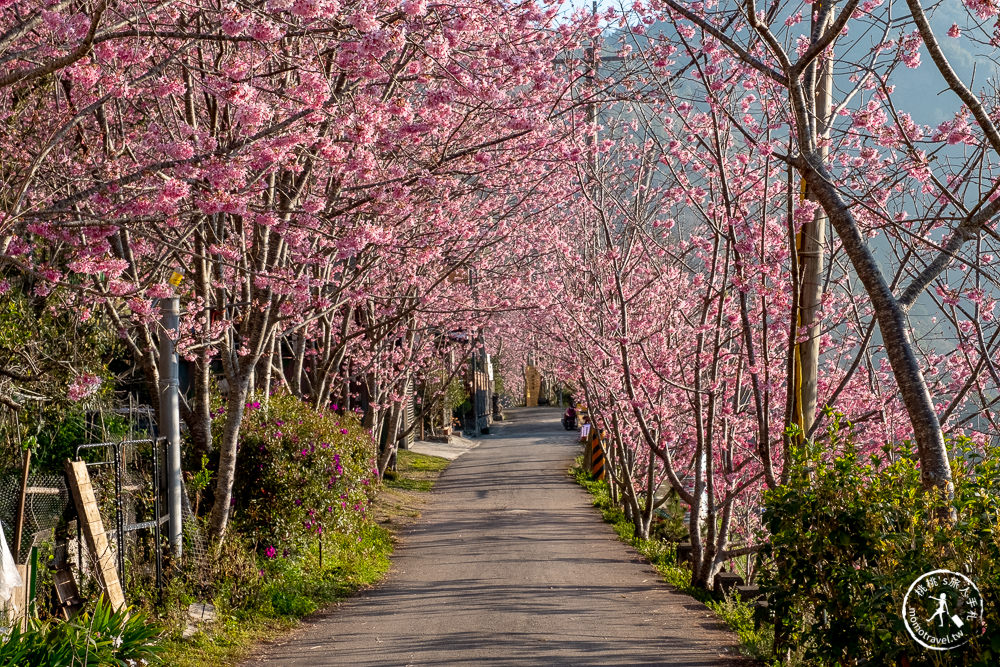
532,386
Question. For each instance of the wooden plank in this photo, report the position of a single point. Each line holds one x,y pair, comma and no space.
22,500
92,528
66,592
43,491
15,609
22,594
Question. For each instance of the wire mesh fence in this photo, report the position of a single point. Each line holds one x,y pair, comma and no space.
46,501
127,482
197,556
128,477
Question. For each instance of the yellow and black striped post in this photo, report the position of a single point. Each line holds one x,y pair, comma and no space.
597,458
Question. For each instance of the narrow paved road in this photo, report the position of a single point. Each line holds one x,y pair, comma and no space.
510,565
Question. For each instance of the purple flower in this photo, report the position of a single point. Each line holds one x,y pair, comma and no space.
343,431
270,552
305,452
334,407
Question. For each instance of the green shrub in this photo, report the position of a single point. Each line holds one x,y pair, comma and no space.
98,638
302,473
850,533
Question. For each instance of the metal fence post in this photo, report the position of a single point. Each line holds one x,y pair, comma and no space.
170,427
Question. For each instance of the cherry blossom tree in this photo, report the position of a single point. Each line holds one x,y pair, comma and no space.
884,180
681,302
315,171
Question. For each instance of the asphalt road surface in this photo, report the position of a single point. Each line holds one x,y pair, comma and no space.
510,565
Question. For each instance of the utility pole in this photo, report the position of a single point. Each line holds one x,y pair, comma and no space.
590,56
170,424
480,397
812,239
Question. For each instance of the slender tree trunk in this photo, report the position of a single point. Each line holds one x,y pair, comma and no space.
268,363
812,239
299,361
219,518
391,424
200,424
198,414
935,469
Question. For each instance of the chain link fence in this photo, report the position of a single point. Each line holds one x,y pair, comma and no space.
45,503
128,476
127,481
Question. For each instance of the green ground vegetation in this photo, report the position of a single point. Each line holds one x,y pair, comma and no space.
851,531
258,599
93,638
287,590
415,472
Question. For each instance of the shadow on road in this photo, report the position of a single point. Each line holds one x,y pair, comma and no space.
511,565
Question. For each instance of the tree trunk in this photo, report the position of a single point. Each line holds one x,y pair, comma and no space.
198,414
219,519
935,469
390,428
812,239
299,361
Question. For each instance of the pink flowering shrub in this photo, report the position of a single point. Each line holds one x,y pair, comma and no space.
302,474
83,386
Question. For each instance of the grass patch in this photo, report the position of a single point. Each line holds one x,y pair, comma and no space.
410,462
406,484
228,643
415,472
737,614
290,590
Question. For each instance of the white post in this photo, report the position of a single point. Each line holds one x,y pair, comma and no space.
170,423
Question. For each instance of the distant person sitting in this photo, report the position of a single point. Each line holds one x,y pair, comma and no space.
569,419
585,429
